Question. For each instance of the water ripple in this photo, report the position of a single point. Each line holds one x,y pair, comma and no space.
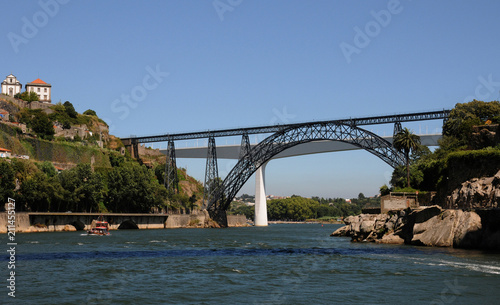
211,253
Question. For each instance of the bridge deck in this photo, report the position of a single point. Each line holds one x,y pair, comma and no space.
232,151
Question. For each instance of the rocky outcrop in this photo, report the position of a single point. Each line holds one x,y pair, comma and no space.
429,226
477,193
484,136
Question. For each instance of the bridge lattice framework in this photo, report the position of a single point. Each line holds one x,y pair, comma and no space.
218,194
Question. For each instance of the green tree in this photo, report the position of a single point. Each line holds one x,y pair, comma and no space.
134,188
406,141
464,116
90,112
27,96
66,125
384,190
40,193
83,188
70,110
47,168
7,181
42,125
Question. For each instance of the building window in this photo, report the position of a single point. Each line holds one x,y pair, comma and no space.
45,90
45,97
38,89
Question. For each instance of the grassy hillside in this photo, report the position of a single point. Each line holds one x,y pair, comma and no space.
43,150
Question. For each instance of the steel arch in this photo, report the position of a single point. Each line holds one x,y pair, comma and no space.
287,138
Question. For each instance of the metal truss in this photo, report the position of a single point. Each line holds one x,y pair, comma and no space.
387,119
245,146
287,138
171,179
397,129
212,180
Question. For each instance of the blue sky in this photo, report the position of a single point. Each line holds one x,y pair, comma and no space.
150,67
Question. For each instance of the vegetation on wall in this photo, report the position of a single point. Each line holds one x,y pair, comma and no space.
30,96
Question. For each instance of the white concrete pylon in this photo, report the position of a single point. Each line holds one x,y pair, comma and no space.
260,197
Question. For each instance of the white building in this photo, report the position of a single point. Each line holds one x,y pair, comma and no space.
11,86
41,88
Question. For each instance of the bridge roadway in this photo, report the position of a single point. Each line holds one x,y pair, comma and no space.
385,119
316,147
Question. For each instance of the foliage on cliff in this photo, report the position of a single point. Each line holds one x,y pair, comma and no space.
101,180
117,183
455,161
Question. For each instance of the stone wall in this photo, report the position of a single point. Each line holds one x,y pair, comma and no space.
396,201
237,221
201,220
184,221
54,222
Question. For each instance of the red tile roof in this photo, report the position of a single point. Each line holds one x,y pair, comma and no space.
38,81
3,149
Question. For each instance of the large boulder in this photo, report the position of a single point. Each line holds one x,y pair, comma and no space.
342,231
468,230
451,228
436,231
391,238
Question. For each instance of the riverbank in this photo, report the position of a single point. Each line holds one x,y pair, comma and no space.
61,222
427,226
317,221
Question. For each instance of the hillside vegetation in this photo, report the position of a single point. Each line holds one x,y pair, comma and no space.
94,180
470,148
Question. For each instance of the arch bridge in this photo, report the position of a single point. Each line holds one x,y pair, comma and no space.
219,194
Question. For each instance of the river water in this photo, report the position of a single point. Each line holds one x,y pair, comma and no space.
279,264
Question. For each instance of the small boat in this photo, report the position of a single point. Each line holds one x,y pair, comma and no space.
99,227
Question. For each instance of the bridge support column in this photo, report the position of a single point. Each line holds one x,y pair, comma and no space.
171,181
260,197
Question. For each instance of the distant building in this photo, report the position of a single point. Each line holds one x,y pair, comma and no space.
5,153
11,86
4,115
41,88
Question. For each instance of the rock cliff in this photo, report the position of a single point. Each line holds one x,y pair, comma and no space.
427,226
476,194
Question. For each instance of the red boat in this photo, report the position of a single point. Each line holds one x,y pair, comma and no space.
99,227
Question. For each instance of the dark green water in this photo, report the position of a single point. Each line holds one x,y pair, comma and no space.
279,264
